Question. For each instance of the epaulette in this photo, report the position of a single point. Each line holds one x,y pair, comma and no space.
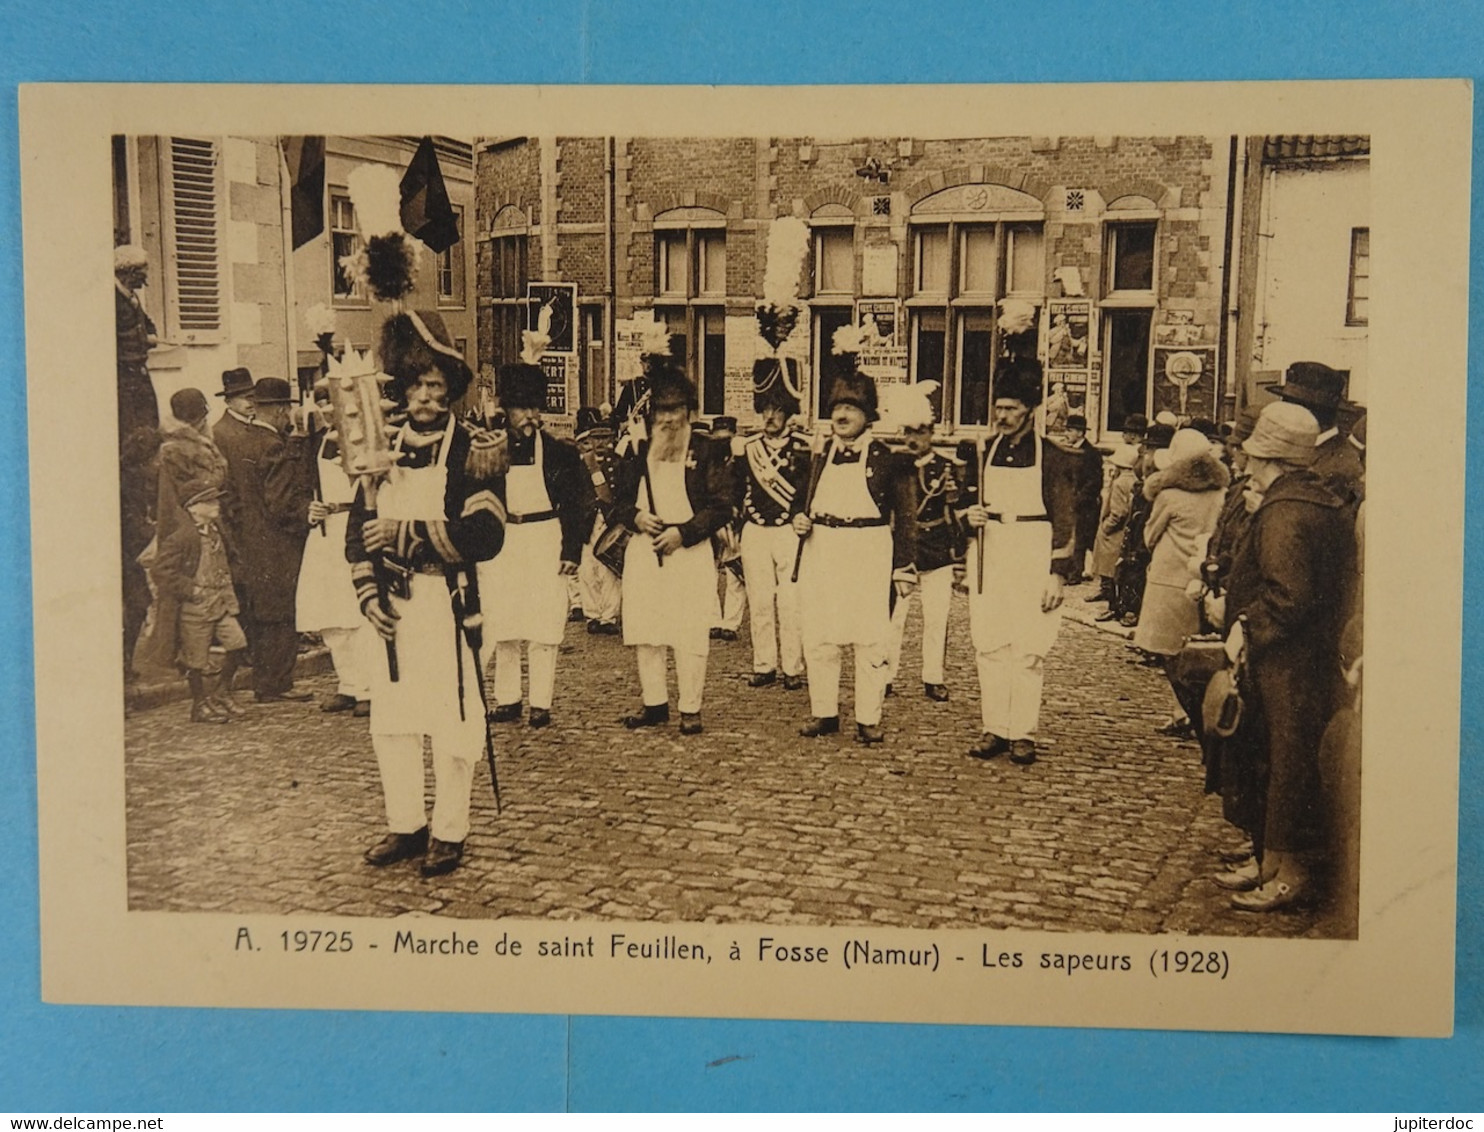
489,452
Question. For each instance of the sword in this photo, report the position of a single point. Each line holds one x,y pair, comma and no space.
979,534
472,626
818,447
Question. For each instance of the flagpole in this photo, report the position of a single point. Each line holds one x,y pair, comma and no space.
286,205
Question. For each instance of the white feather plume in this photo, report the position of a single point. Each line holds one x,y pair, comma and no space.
904,406
376,195
788,245
535,342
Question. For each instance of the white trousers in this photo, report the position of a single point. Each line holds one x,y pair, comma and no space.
455,753
690,677
1010,680
731,602
541,659
352,651
773,597
870,681
936,589
600,588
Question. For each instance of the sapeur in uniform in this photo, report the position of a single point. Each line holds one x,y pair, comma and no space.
859,555
770,477
525,588
437,516
1024,516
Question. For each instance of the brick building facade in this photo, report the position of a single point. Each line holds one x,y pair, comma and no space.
1103,256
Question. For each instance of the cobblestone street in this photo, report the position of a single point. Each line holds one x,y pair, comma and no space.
1109,831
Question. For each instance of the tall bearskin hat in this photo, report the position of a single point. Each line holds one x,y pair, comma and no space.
1019,379
855,388
669,388
522,386
414,342
775,385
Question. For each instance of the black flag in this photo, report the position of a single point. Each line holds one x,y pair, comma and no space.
306,161
426,211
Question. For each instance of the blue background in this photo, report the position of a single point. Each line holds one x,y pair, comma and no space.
56,1059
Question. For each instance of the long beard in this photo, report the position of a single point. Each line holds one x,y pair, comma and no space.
668,444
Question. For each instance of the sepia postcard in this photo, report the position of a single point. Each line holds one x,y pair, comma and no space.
880,553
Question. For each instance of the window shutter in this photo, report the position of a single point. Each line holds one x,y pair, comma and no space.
197,237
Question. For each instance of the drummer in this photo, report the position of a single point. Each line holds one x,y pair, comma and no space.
673,493
1024,518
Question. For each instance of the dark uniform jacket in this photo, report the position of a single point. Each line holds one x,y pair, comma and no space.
940,533
1058,487
753,502
600,466
1088,462
567,486
472,528
893,488
707,485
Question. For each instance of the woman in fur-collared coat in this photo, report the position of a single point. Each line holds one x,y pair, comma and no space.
1186,494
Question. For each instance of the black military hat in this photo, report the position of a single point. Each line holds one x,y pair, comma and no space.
1019,379
669,388
588,420
855,388
414,342
521,386
775,384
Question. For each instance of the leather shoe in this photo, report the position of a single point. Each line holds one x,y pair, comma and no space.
869,734
363,709
443,857
576,615
396,847
723,634
820,725
1107,615
506,713
938,693
762,679
1272,896
290,696
890,691
792,683
648,716
338,702
204,711
1242,879
989,747
690,723
223,702
1023,752
540,717
1177,729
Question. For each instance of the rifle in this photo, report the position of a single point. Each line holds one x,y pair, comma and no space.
817,448
979,492
467,615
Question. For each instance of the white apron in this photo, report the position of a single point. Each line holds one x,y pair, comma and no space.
845,575
424,700
1017,560
669,604
522,593
326,598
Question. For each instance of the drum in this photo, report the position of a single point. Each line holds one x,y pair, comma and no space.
609,549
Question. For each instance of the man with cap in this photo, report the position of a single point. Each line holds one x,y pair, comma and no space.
673,494
1281,589
1321,390
598,585
524,588
1025,517
770,477
268,496
731,602
860,552
1088,462
437,514
940,534
1133,560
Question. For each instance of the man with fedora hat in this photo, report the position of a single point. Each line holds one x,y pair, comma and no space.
525,587
1281,589
672,492
1088,462
1321,390
770,477
267,511
437,515
860,555
1024,513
